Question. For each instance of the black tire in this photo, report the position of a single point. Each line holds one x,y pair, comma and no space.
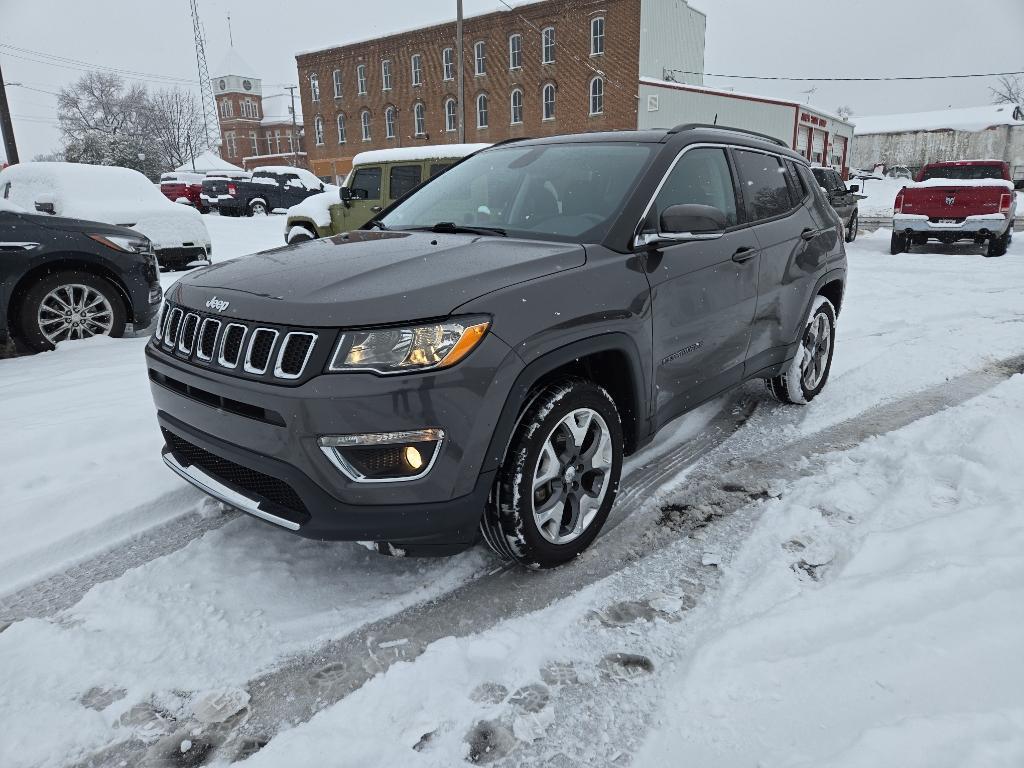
509,525
791,386
997,246
301,237
258,207
28,312
899,243
853,228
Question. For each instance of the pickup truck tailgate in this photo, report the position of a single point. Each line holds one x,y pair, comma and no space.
952,202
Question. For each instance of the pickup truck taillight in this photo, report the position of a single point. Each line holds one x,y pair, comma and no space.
898,205
1005,201
232,189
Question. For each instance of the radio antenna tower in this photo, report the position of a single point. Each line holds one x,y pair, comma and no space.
210,121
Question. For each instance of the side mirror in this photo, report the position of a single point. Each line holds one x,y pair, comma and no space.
346,196
321,187
44,204
854,188
692,220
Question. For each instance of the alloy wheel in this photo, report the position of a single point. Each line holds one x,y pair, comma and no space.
570,479
817,345
74,311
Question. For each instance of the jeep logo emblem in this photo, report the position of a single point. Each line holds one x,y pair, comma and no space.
219,304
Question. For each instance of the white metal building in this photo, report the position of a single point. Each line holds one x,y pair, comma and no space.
991,132
821,137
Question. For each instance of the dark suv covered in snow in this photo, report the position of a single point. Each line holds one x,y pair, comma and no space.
480,357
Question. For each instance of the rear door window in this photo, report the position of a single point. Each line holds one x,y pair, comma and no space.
798,188
403,179
437,168
701,177
763,184
366,184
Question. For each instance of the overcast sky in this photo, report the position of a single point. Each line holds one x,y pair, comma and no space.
814,38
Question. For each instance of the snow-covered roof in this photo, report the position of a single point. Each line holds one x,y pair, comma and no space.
400,154
208,162
743,95
233,64
963,119
277,109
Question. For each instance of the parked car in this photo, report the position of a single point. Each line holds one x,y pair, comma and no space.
377,179
64,279
271,189
484,354
117,196
181,187
220,186
962,200
841,197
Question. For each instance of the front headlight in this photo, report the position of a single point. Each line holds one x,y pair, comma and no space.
124,243
412,348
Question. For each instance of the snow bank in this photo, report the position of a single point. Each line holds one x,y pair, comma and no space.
318,207
106,194
875,613
966,119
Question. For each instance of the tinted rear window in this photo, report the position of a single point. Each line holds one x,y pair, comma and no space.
963,172
404,178
764,185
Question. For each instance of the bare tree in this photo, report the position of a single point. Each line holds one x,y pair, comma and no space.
1009,91
844,111
179,129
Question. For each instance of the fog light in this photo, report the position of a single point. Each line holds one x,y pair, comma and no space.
383,457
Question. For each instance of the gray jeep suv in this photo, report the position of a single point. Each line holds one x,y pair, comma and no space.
480,357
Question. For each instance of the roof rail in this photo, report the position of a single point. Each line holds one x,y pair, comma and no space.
694,126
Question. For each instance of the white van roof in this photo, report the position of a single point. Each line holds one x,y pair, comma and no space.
412,154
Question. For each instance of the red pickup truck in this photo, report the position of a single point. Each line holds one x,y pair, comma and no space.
189,186
963,200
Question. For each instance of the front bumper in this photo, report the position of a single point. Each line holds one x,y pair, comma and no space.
218,448
178,258
970,226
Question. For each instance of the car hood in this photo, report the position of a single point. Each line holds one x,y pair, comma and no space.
65,224
371,278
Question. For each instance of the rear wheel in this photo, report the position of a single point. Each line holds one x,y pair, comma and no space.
852,228
559,478
997,245
808,372
70,305
899,243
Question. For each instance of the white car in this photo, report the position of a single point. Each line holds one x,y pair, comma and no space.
111,195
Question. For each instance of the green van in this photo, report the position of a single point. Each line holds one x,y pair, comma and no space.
377,179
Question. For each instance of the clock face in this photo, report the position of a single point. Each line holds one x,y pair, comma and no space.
222,84
247,84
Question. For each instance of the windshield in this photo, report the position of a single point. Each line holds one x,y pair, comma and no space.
554,191
963,172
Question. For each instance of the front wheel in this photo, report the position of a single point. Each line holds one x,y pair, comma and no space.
899,243
257,208
70,305
559,478
852,228
807,374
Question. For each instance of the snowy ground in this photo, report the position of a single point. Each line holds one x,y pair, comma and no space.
831,622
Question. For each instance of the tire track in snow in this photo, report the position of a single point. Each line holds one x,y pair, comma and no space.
734,472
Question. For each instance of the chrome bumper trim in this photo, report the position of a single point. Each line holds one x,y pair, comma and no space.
217,489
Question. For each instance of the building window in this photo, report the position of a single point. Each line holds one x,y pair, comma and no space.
341,129
480,55
270,143
515,51
227,108
291,142
255,147
361,79
597,96
232,148
549,102
277,137
318,132
420,115
451,119
516,106
365,119
481,111
389,123
417,69
385,75
547,46
448,57
597,36
314,87
337,83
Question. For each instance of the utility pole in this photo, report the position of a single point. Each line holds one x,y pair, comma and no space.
10,148
295,129
462,75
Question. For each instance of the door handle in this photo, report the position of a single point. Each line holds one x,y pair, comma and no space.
810,234
744,254
377,208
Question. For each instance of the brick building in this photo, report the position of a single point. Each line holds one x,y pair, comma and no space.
544,68
255,129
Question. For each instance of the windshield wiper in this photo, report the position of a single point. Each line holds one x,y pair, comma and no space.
451,228
377,223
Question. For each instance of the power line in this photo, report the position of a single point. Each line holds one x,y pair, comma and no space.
37,57
845,79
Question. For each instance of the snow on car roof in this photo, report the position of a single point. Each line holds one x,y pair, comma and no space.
940,182
400,154
965,119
